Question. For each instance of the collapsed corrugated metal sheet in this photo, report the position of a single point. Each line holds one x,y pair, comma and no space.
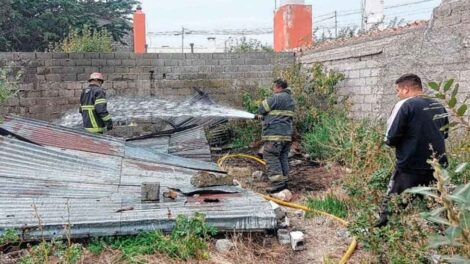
47,134
62,137
44,188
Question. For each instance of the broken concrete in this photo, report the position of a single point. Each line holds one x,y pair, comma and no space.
224,245
284,195
280,213
206,179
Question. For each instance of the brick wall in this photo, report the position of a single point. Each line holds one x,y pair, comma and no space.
52,82
436,51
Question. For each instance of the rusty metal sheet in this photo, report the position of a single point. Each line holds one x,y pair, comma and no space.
44,133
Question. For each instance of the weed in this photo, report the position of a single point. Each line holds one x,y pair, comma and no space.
8,237
329,204
85,40
188,239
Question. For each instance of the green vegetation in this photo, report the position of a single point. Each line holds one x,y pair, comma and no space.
329,204
32,25
86,40
187,240
45,251
8,237
243,45
9,81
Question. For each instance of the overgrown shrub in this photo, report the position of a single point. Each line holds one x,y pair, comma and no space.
85,40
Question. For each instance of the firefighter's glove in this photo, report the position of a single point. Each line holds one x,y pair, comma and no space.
109,124
259,117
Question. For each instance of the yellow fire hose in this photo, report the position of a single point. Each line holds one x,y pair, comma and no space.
344,259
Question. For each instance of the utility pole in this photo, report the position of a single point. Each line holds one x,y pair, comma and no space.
182,39
336,24
363,4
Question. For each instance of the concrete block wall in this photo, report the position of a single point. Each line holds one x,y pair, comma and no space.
52,82
438,51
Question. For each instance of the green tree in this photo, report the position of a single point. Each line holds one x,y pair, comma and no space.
86,40
243,44
30,25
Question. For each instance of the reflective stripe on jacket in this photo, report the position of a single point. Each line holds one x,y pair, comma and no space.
93,107
278,112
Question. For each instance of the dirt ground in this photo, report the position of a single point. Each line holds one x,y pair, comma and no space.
326,240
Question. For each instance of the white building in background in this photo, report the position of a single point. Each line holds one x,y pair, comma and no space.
373,13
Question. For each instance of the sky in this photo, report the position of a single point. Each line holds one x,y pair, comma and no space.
210,15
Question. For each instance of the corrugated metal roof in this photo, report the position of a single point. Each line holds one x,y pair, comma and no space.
48,134
99,194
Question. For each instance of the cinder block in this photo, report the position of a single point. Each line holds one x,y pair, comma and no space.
283,236
113,62
107,55
297,240
98,62
128,62
60,55
121,55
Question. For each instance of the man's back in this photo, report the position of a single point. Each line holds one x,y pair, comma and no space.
412,129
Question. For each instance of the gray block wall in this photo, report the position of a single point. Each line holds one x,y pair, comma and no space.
52,82
437,51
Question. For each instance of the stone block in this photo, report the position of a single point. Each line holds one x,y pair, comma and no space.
91,55
76,56
106,56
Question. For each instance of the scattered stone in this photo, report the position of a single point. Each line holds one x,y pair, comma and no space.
224,245
319,220
257,175
299,213
297,240
239,172
343,234
306,156
206,179
170,194
278,211
283,236
296,162
284,195
285,223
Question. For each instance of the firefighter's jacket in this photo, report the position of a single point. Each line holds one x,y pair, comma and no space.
93,107
278,114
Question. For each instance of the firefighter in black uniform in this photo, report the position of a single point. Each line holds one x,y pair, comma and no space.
93,106
277,113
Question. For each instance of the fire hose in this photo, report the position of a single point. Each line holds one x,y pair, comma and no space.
344,259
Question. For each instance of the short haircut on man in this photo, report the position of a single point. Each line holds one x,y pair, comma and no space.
281,83
409,80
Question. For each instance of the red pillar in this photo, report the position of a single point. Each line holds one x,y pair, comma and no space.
139,31
293,27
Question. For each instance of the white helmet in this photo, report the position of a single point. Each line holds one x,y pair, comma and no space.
96,76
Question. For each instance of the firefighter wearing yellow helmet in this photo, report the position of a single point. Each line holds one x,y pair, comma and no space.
93,106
